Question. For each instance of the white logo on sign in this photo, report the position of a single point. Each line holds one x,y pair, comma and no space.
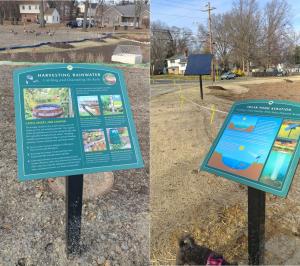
69,67
271,102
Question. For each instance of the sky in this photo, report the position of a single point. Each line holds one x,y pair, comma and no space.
188,13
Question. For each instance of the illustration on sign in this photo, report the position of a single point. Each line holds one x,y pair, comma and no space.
73,119
258,145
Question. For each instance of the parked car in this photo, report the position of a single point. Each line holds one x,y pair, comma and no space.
72,24
228,75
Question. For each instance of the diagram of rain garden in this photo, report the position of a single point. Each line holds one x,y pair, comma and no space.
51,103
257,148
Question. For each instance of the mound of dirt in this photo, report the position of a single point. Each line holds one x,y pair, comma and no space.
63,45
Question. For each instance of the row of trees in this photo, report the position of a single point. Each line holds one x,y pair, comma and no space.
246,36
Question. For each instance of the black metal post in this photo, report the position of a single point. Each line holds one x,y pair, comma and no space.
201,87
74,190
256,226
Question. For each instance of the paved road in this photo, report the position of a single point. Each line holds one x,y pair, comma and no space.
171,81
167,86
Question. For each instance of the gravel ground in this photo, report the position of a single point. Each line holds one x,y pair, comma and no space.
211,208
115,227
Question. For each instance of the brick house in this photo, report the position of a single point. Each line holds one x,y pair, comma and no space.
124,15
29,11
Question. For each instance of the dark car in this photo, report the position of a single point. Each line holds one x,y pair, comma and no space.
72,24
228,75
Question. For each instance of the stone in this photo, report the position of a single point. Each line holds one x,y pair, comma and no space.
94,185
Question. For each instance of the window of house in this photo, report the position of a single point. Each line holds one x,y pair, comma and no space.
172,61
23,7
29,7
36,7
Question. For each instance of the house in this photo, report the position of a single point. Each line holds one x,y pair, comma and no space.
177,64
52,16
124,15
29,11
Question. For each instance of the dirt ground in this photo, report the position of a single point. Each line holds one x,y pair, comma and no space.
92,52
211,208
115,227
14,35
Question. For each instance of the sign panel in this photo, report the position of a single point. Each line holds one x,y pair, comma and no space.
258,145
198,64
73,119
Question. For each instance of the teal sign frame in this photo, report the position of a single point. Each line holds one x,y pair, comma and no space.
258,145
73,119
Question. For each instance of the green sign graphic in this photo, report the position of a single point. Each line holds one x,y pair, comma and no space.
73,119
258,145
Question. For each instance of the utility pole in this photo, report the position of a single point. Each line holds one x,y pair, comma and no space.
211,48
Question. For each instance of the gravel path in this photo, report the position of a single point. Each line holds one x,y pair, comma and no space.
115,228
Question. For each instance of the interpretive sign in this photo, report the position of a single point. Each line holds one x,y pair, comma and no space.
258,145
73,119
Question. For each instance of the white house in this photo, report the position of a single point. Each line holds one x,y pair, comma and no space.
52,16
177,64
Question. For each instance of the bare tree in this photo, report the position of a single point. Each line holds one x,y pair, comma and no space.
100,8
86,7
161,42
9,10
276,32
42,16
137,12
245,27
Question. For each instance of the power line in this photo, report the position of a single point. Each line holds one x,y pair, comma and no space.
174,15
181,6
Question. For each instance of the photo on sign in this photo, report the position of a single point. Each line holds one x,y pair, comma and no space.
43,103
94,140
245,145
112,104
88,106
281,154
118,138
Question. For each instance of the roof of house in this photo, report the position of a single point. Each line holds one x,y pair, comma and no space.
49,11
129,10
182,58
128,49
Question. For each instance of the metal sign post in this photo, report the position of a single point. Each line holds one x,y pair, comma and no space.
74,190
201,87
256,226
198,65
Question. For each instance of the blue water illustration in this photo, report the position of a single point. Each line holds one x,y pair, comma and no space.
235,164
277,165
243,121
